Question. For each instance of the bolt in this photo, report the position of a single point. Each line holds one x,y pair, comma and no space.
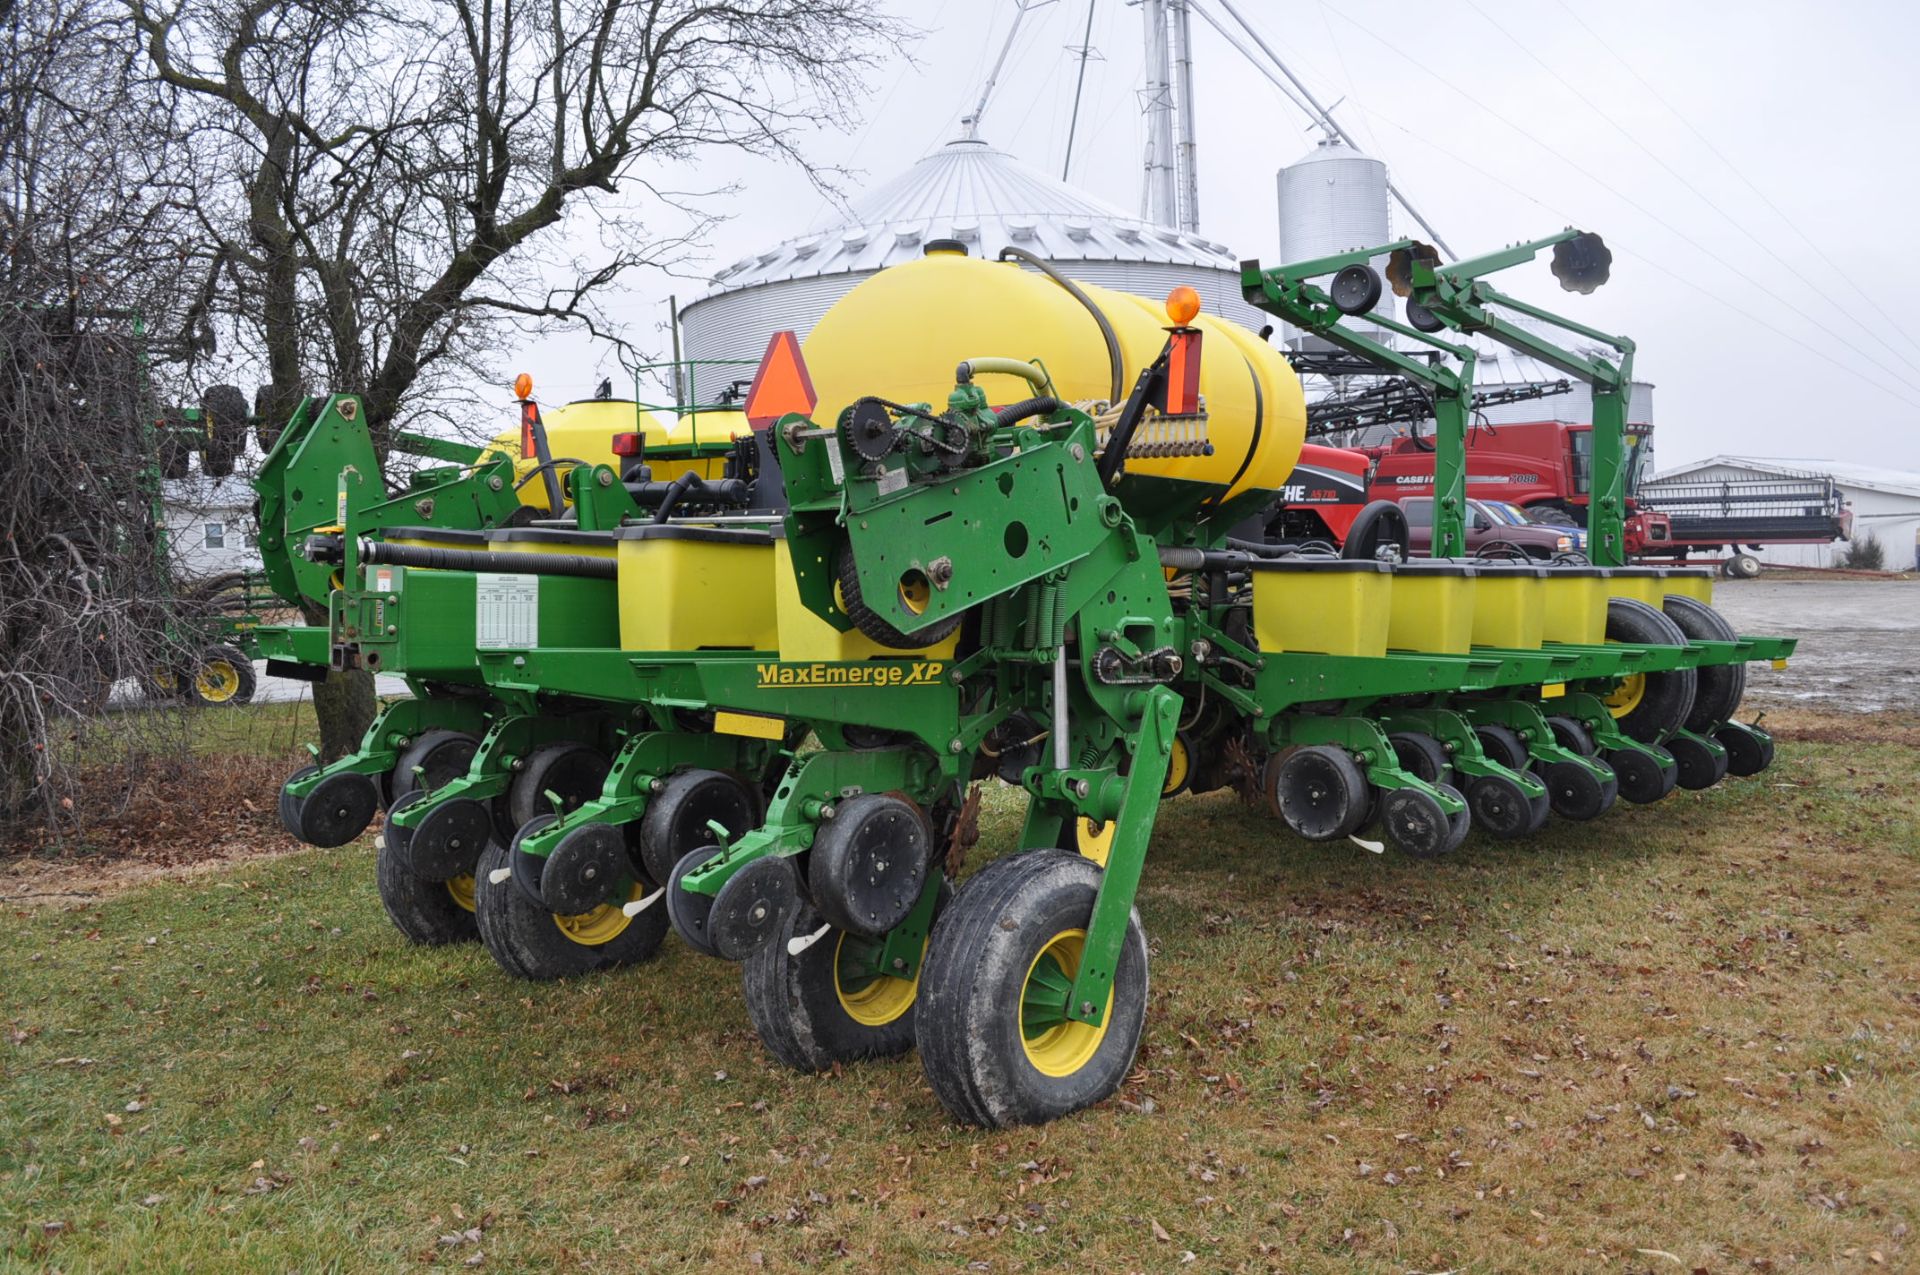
940,571
392,629
494,483
519,661
604,478
899,962
954,745
589,872
1081,788
1086,1007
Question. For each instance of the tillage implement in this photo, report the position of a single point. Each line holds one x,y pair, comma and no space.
993,526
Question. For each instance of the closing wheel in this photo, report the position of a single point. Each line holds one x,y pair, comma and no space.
1179,766
1502,745
1422,756
1318,791
426,912
447,841
224,676
530,941
688,911
338,810
825,1004
997,1047
1420,826
677,817
752,907
1572,734
573,772
290,804
1718,688
914,595
1501,806
1577,793
1648,706
1748,751
1644,779
1700,766
869,863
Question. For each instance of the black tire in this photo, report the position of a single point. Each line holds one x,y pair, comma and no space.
688,912
1701,767
528,941
223,679
1502,745
1649,707
676,818
224,411
1718,688
1502,808
1572,734
875,625
573,772
971,1018
1748,751
1422,756
265,431
1743,566
425,912
218,458
289,804
807,1018
441,755
1319,791
1643,779
1420,826
1577,793
1378,524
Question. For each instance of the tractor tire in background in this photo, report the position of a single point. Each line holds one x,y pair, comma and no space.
224,678
1649,707
266,431
1741,566
1719,687
224,415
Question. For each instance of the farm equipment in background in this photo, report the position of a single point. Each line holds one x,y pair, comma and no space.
990,528
1741,515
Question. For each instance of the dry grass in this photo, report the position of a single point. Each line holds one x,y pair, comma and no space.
1682,1038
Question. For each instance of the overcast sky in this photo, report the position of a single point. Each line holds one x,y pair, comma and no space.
1747,162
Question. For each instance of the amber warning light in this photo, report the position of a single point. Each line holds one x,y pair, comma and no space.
523,386
1183,303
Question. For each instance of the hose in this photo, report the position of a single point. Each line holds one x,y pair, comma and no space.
533,564
1014,413
1114,358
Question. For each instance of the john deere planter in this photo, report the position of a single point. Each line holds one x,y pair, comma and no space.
991,529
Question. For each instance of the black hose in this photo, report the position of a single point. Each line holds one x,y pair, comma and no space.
676,489
1115,360
1014,413
533,564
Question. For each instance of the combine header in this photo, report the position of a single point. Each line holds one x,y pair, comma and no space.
990,529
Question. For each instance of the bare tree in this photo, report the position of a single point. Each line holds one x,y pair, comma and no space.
93,287
380,184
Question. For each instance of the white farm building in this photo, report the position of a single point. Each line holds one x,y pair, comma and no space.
1885,504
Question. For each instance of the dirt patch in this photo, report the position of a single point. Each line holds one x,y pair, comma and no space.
1858,649
172,824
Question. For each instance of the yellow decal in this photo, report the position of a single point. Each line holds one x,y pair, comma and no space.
1779,664
868,673
752,725
1553,690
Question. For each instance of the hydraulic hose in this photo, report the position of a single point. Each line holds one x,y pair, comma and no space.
533,564
1114,358
1014,413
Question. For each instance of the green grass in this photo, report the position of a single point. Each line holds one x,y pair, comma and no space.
1689,1030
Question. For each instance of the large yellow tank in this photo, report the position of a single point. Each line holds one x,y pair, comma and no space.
901,333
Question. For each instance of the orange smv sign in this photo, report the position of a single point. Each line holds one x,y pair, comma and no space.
781,385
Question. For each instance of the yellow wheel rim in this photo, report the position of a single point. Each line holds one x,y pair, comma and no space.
461,888
915,592
165,681
1179,765
1057,1045
872,1000
602,925
1626,697
1093,839
217,682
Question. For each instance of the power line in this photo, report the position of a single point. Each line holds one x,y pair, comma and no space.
1628,200
1678,176
1798,342
1735,169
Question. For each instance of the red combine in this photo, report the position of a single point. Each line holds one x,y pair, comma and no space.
1537,465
